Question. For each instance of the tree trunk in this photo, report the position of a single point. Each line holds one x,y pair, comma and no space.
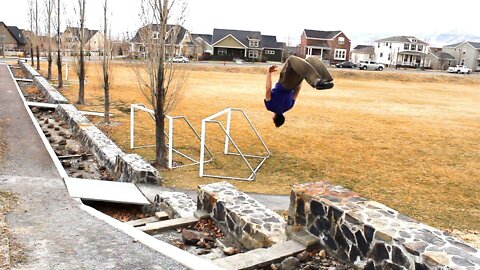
161,148
49,74
59,53
107,100
38,58
31,55
81,78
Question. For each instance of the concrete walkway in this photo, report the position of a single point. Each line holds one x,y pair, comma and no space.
47,224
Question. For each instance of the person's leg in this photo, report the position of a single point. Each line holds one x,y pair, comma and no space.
289,78
295,70
320,68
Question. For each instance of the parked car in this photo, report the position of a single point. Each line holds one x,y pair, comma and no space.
180,59
346,64
370,65
459,69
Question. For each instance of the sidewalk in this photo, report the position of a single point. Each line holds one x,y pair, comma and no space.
47,224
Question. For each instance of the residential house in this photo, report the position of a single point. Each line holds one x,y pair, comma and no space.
248,45
94,41
12,41
330,46
178,40
440,60
203,46
362,53
465,53
401,51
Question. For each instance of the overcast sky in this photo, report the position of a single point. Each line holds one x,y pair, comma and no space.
286,19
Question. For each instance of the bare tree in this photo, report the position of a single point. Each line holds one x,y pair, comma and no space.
106,61
49,6
159,86
31,13
36,35
59,48
80,61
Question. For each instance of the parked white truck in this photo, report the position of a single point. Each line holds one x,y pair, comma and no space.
459,69
370,65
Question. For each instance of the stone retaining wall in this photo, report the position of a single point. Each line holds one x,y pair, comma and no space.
50,93
363,231
124,167
249,221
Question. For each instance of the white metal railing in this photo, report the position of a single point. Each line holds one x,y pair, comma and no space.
229,139
169,136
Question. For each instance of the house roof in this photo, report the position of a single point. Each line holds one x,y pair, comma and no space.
271,42
156,27
75,31
365,49
17,34
241,35
318,43
475,45
320,34
206,37
401,39
266,41
442,55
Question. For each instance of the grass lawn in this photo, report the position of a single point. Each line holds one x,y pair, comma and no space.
408,140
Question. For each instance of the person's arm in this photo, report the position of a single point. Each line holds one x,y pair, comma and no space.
268,84
297,91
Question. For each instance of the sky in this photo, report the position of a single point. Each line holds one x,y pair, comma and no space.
359,20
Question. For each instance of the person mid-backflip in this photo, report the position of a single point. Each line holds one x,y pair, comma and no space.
282,96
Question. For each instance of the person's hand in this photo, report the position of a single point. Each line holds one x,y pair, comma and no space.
272,69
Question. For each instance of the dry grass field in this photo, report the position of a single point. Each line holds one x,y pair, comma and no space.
408,140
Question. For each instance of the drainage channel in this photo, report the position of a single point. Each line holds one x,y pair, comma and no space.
198,236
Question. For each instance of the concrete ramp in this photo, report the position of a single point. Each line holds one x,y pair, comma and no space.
105,191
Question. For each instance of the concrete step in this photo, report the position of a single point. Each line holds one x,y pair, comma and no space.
261,257
143,221
168,224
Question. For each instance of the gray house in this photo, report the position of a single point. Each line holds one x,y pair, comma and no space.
202,45
440,60
362,53
249,45
465,53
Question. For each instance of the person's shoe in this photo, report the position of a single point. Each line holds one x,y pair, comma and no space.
323,85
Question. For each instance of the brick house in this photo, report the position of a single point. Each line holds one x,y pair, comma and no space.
330,46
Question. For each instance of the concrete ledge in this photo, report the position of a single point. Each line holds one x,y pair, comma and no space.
358,230
132,168
250,222
31,72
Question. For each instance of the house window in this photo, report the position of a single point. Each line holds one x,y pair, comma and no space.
412,47
389,56
155,35
252,54
386,44
381,54
462,62
341,40
269,52
253,43
340,54
378,45
420,48
222,51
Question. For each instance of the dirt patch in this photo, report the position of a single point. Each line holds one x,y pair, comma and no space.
7,201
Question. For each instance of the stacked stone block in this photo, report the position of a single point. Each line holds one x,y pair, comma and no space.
368,232
132,168
177,204
249,221
29,70
50,93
